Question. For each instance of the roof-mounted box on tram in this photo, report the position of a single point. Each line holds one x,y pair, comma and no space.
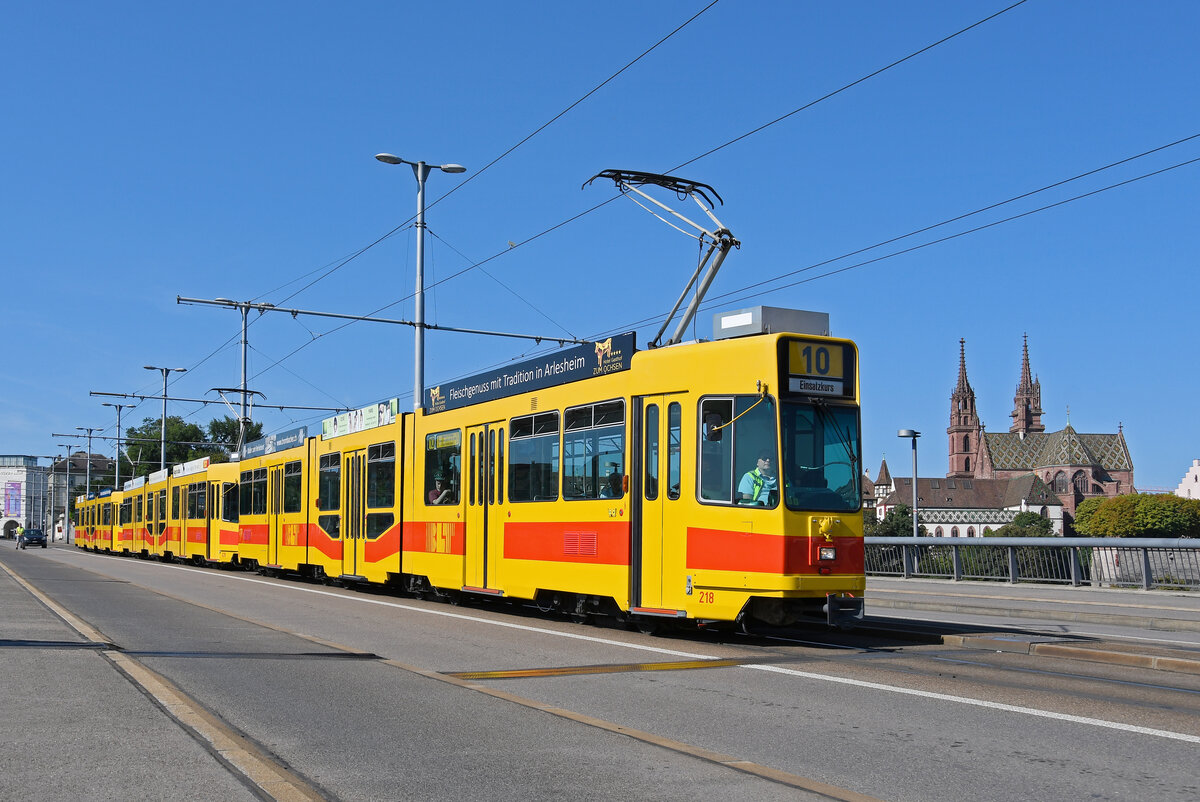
769,320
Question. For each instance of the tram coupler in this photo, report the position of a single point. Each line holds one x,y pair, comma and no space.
843,612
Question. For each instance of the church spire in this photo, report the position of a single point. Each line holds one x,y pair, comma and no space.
1026,385
1027,403
964,429
963,386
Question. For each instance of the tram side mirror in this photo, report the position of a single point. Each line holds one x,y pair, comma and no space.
713,427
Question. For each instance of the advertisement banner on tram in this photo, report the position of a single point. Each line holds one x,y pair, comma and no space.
581,362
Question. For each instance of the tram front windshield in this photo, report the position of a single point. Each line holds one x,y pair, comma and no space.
739,453
821,468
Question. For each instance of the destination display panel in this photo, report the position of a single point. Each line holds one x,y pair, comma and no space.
818,368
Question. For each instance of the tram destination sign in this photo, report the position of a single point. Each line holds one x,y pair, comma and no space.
818,368
581,362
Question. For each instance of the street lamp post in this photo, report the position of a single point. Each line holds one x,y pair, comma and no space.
118,407
914,435
421,170
162,455
89,430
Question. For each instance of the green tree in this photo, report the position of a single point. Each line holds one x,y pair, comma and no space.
1023,524
1083,516
185,441
1167,515
224,432
897,523
1116,517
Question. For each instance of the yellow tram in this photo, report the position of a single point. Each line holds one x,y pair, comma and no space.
703,482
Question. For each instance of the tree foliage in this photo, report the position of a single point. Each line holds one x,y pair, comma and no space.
1083,516
185,441
1144,515
1023,524
897,523
225,432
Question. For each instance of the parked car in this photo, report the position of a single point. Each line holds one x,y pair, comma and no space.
34,537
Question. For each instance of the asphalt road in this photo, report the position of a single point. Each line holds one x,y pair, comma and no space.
344,694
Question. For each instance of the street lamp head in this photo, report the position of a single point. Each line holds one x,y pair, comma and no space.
388,158
452,168
907,433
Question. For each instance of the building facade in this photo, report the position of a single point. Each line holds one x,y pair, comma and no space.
1189,486
961,507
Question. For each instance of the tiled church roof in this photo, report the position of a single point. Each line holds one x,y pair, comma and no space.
1010,452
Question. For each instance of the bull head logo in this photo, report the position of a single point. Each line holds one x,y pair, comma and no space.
603,349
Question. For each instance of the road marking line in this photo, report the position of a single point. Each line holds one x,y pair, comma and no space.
609,668
1030,711
943,697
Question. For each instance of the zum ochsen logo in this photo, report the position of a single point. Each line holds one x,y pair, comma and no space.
603,349
435,396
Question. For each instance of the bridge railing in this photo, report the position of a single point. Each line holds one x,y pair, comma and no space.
1149,563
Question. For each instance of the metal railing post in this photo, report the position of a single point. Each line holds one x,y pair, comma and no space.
1147,574
956,559
1076,567
1013,573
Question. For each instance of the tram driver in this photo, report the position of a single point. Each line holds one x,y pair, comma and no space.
440,494
760,485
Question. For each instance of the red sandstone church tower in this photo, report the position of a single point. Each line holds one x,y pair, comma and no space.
964,429
1027,403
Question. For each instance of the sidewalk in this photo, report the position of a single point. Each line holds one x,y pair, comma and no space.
75,727
1012,608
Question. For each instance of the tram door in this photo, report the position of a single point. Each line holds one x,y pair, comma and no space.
354,533
484,482
274,512
211,521
654,487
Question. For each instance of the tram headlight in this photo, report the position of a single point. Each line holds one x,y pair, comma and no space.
828,553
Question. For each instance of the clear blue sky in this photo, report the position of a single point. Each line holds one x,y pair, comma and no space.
225,150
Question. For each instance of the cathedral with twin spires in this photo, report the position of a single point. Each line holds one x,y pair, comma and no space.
1075,466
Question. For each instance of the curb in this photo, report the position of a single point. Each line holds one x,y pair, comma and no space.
1017,645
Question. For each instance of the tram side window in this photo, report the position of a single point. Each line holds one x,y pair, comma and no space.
197,500
594,451
735,436
293,487
245,491
443,467
137,510
674,443
126,511
381,487
162,511
533,457
174,503
107,514
258,492
229,502
329,482
650,453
